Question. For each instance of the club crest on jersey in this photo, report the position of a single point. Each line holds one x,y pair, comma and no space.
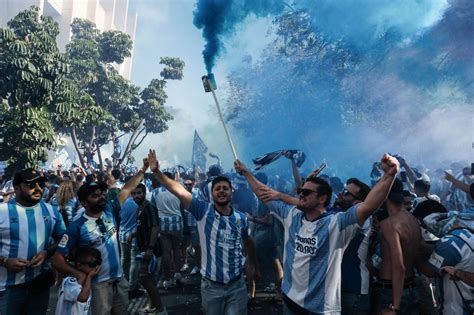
46,218
63,241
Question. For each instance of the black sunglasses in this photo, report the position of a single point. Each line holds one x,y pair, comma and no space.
91,264
305,192
32,185
101,225
346,192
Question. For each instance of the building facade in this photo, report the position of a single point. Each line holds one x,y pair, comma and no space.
105,14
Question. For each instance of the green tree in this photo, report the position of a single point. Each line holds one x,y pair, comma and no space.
108,106
33,84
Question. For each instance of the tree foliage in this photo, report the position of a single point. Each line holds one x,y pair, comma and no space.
33,84
116,107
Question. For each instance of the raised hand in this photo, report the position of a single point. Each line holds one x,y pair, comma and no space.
146,164
389,165
152,161
240,167
267,194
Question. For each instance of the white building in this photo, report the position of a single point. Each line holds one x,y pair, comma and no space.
105,14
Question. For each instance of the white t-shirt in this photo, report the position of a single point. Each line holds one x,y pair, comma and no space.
67,299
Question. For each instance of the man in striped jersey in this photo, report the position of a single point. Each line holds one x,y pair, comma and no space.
97,227
222,230
171,232
29,231
315,239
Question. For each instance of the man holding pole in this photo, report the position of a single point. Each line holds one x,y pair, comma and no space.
315,240
222,231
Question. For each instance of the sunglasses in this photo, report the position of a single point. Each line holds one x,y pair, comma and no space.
101,225
346,192
305,192
91,264
188,184
32,185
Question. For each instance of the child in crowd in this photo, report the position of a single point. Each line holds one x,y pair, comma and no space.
74,297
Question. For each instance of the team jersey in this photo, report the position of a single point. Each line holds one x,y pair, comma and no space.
355,275
128,222
24,232
220,237
454,249
169,210
313,252
100,234
67,299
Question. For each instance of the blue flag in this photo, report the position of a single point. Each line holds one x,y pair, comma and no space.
199,152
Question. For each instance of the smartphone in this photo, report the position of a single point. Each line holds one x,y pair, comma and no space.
472,168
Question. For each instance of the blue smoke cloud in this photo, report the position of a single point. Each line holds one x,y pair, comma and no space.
220,18
374,76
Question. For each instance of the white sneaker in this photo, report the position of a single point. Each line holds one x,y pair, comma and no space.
184,268
152,310
194,271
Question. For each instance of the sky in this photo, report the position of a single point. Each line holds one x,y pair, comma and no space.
165,28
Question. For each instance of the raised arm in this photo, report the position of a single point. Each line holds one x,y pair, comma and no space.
132,183
295,170
456,183
379,193
262,191
173,186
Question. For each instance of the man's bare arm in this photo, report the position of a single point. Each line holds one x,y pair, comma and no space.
379,193
262,191
397,264
132,183
173,186
456,183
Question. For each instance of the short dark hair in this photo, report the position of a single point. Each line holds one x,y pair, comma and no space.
90,178
324,189
116,173
364,189
422,185
142,187
84,252
219,179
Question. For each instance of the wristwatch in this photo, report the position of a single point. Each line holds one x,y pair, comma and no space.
3,261
392,308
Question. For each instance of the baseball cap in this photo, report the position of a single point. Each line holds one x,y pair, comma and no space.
88,188
396,192
28,175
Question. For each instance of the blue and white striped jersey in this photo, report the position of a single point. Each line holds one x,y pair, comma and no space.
24,232
355,275
67,299
220,237
169,210
455,249
313,252
102,234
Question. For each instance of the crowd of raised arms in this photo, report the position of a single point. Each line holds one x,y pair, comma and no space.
400,244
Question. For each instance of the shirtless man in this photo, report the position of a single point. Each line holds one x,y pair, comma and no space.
395,291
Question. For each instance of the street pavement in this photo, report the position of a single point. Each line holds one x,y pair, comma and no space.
185,299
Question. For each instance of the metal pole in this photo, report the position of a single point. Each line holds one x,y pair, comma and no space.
223,123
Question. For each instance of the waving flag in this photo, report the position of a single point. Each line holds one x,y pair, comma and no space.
199,152
298,156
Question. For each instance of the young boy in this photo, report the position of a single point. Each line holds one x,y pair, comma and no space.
74,297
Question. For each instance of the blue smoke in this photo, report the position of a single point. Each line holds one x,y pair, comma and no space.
364,77
220,18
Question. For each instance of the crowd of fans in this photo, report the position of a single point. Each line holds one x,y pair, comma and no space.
402,244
